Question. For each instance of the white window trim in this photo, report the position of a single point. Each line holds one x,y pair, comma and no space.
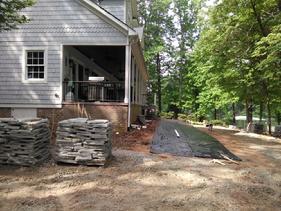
24,65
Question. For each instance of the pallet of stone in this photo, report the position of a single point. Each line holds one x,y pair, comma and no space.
24,142
83,141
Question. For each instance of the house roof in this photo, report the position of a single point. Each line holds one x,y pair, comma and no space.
107,16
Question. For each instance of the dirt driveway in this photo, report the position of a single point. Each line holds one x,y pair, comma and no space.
141,181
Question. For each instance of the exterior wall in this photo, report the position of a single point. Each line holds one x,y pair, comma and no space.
115,7
117,113
5,112
53,23
135,111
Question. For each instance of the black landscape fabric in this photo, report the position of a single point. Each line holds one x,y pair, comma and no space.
192,142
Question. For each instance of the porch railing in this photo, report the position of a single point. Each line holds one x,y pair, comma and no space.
89,91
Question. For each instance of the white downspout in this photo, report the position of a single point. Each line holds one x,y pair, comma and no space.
128,82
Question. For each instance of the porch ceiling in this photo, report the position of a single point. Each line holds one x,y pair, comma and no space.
110,58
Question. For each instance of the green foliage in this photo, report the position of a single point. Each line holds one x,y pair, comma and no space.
167,115
187,117
218,122
230,57
238,55
182,117
157,24
9,13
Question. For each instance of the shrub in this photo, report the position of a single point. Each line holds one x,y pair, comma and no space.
167,115
218,122
182,117
192,118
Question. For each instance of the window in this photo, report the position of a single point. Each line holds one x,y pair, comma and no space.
35,65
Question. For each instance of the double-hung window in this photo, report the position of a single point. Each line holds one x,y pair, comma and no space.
35,65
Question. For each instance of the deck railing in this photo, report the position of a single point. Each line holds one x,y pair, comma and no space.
89,91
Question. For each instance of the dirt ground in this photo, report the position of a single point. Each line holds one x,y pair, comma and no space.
138,180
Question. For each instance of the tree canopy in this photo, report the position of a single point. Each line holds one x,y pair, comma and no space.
216,58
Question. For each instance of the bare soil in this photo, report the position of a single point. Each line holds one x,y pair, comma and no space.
138,180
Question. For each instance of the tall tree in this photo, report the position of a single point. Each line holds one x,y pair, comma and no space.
157,22
183,37
10,15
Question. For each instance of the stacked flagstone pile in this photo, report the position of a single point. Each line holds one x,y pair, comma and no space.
24,142
277,132
84,141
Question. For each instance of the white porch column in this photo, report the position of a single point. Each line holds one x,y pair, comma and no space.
128,74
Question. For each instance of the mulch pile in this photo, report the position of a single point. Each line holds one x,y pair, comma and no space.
137,139
24,142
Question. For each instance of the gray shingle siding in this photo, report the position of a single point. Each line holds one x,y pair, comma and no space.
115,7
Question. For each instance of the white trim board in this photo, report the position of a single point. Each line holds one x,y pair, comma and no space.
30,106
25,80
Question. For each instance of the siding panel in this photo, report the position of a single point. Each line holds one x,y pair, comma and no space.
115,7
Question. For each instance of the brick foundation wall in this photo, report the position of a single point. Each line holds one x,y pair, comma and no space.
5,112
117,113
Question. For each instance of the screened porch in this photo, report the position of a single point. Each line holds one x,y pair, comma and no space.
94,74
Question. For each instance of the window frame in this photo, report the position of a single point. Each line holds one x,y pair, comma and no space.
25,65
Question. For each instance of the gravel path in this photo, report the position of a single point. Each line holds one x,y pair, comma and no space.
192,142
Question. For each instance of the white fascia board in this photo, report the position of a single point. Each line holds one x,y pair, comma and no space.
125,29
30,106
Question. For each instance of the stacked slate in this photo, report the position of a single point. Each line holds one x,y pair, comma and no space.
258,128
24,142
83,141
277,132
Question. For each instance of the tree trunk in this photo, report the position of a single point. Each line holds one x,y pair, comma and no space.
269,116
261,111
233,114
159,94
249,114
215,114
278,117
259,19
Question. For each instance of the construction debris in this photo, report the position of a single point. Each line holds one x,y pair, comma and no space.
24,142
229,159
217,161
84,141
